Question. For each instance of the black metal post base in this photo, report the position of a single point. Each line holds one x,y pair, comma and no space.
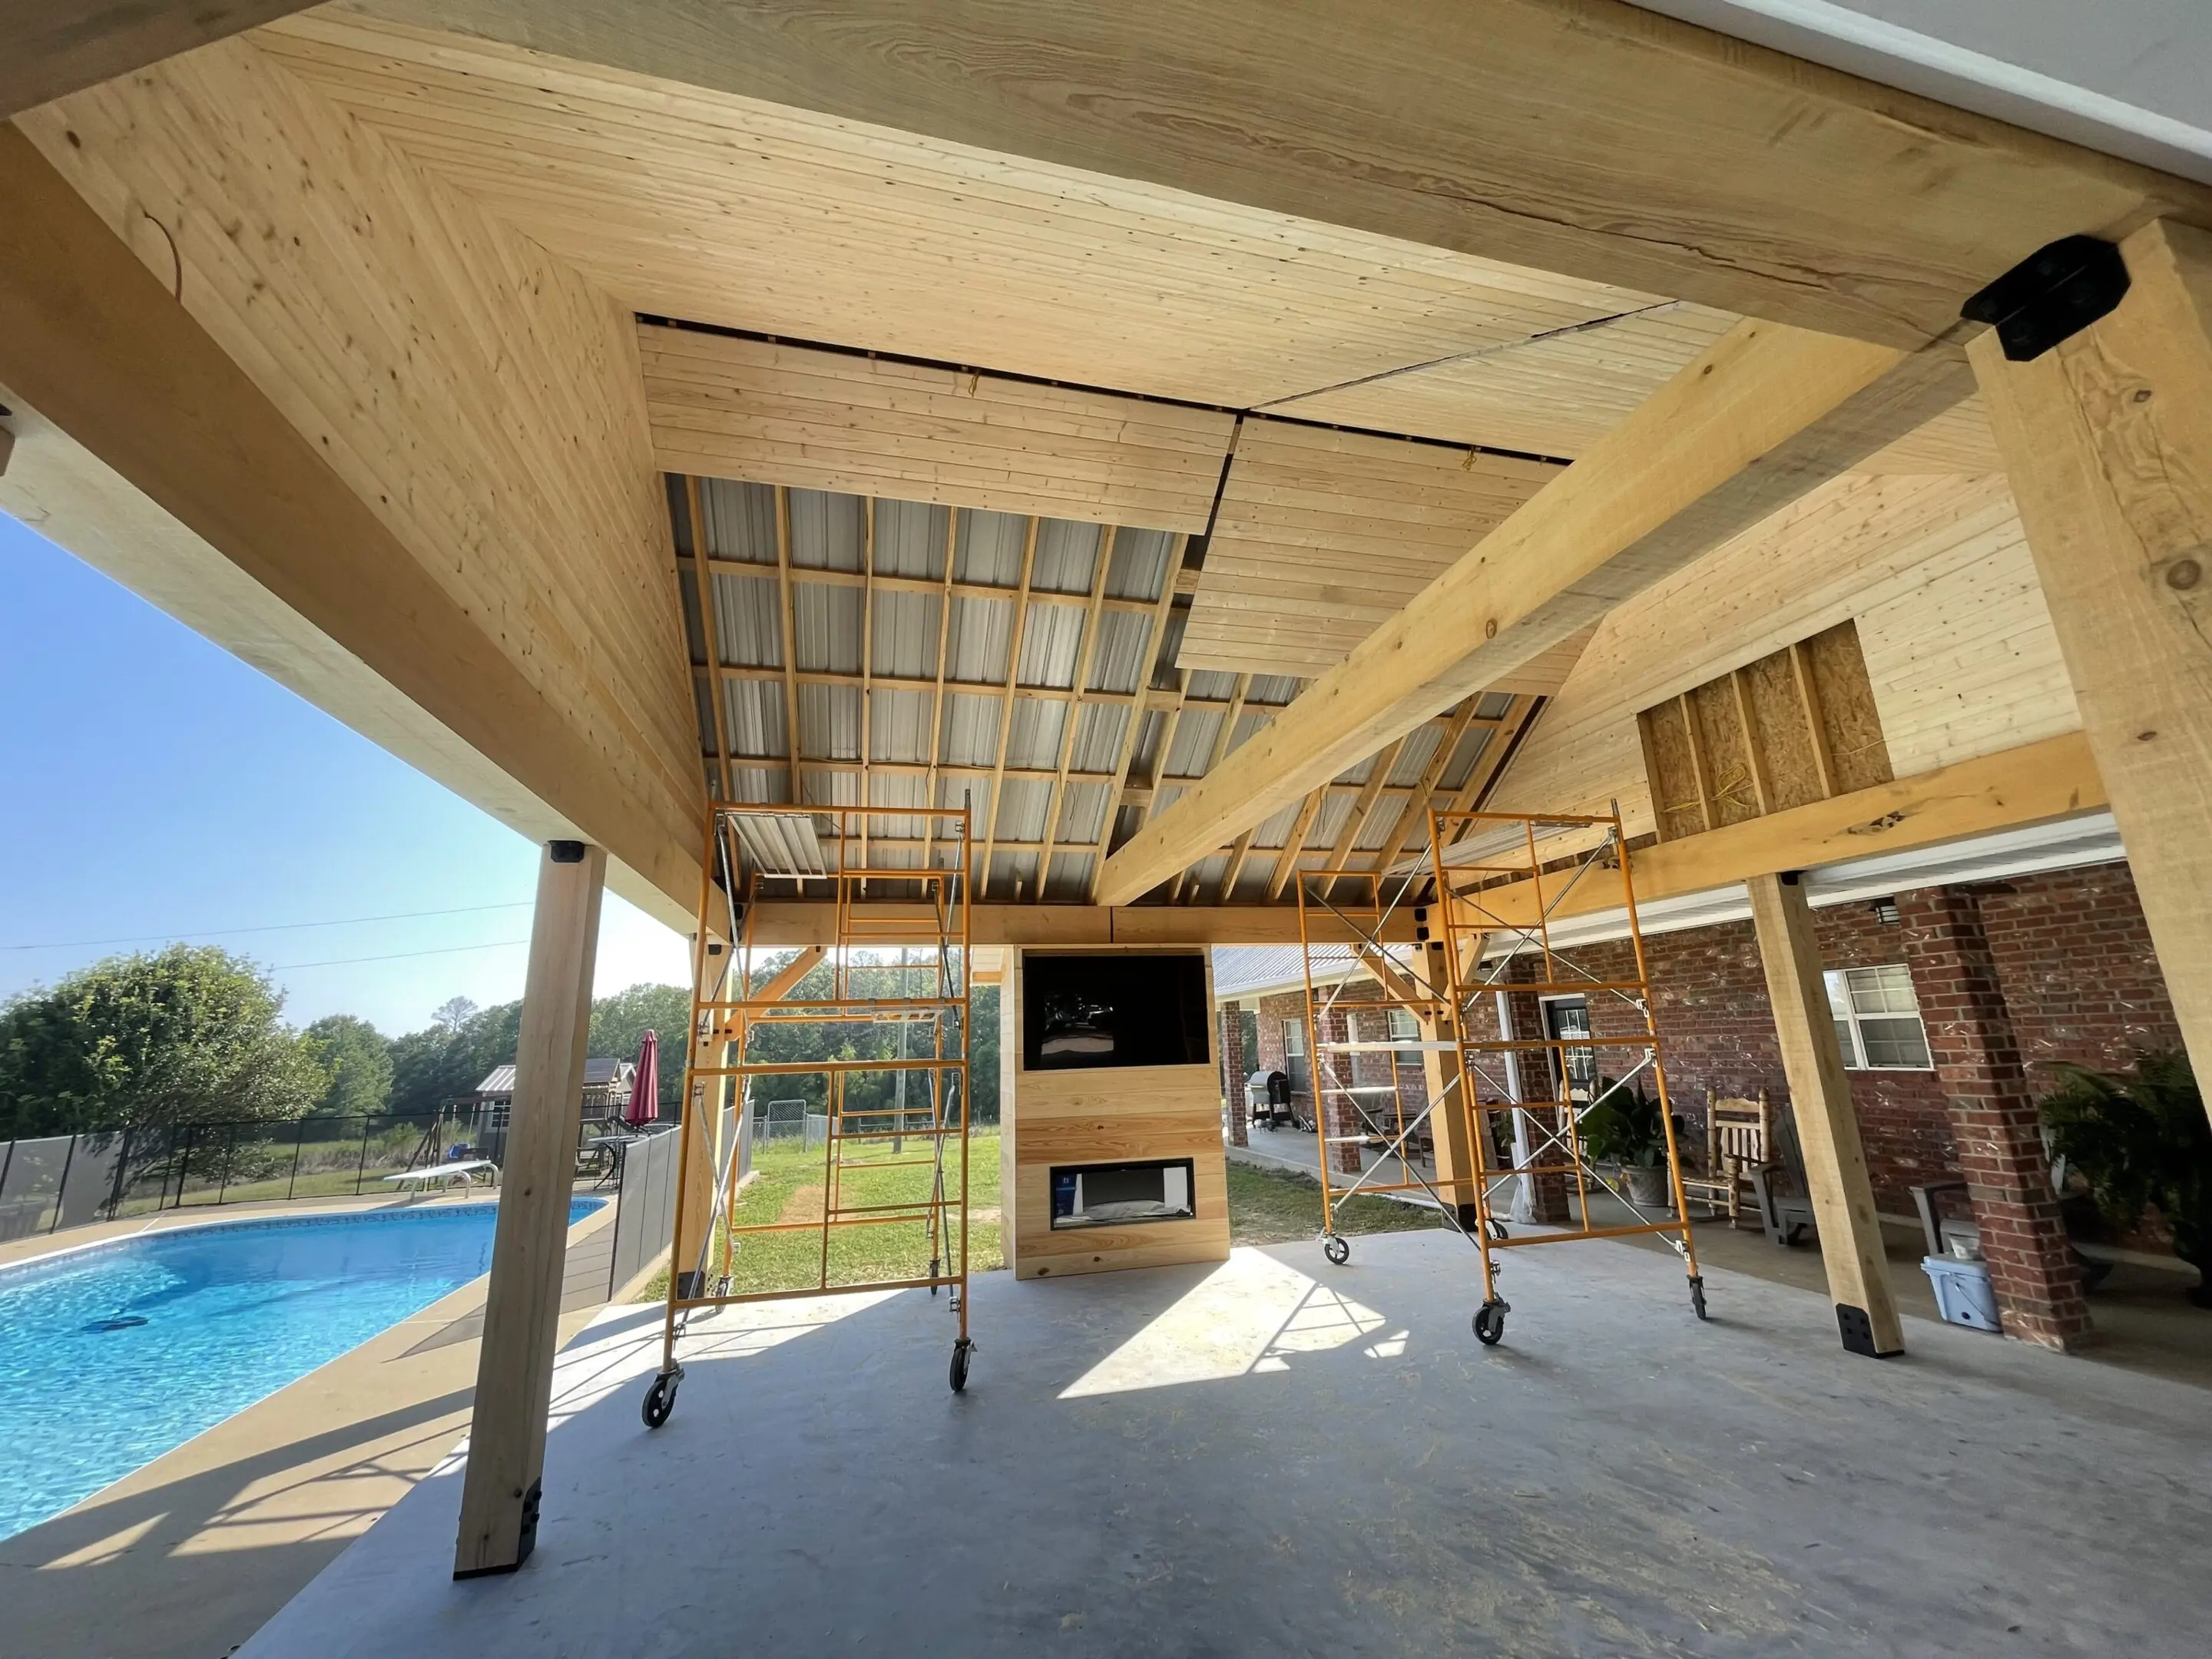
1857,1332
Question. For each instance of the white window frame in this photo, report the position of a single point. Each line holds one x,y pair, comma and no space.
1294,1039
1403,1027
1889,979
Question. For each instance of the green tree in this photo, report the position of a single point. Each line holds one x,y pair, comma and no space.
447,1059
620,1022
188,1034
358,1058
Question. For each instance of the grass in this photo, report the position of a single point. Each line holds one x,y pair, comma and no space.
787,1185
1280,1207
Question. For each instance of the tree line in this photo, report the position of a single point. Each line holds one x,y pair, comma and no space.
195,1034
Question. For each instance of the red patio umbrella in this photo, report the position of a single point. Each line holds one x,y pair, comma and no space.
645,1093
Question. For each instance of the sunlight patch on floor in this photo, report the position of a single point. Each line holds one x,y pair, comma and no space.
1252,1314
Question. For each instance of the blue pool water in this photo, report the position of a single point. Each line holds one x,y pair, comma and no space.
112,1355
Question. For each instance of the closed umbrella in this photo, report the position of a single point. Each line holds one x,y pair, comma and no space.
645,1093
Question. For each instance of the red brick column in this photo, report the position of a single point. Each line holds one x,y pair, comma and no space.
1233,1070
2001,1152
1337,1117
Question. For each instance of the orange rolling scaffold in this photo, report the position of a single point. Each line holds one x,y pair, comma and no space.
1523,1103
921,914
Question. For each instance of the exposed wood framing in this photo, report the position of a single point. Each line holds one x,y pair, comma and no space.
788,620
57,46
1370,795
780,923
710,630
1079,685
1761,417
1413,811
868,669
937,696
1170,586
982,877
1294,844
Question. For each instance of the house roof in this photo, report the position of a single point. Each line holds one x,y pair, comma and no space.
1249,970
597,1074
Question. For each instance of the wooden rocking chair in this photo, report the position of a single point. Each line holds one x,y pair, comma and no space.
1739,1139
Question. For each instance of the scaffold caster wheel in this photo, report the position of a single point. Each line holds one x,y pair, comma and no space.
660,1398
1337,1249
1697,1297
1497,1232
1490,1322
960,1351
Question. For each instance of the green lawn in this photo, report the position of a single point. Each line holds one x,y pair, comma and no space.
1278,1206
1265,1207
787,1185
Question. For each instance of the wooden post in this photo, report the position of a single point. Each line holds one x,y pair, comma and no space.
1827,1128
1451,1121
514,1366
2107,437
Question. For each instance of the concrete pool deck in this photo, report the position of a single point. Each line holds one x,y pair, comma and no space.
1277,1456
192,1552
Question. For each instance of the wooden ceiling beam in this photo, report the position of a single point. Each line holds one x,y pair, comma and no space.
1762,416
1587,137
781,923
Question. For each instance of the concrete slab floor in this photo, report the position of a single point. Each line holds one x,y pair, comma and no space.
1277,1456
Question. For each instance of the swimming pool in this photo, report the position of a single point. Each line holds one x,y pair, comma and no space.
113,1354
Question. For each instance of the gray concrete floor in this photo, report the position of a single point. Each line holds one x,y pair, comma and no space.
1279,1457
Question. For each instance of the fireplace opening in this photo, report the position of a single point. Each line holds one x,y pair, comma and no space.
1121,1195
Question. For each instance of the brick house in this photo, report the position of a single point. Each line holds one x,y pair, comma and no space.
1955,1003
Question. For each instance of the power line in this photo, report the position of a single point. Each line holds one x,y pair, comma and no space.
272,927
397,955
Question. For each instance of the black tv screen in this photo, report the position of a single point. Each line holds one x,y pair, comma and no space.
1113,1011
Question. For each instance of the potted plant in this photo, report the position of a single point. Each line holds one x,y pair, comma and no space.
1622,1126
2139,1138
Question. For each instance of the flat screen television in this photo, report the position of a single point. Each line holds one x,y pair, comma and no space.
1113,1011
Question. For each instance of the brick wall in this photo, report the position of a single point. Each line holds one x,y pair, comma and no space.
2080,976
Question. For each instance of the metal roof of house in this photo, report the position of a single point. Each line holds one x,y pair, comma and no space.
1249,970
597,1074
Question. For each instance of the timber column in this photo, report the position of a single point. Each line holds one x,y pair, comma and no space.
2107,437
522,1314
1828,1128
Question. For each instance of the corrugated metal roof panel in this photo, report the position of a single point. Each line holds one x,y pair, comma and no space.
1142,757
989,548
1033,733
1139,564
767,788
1248,723
1052,638
825,623
978,638
1123,652
903,638
1274,831
910,539
1273,689
1471,747
1098,732
1207,875
1494,706
753,712
969,736
1081,808
1170,648
1194,743
740,519
1067,556
898,727
830,722
827,531
1211,683
1021,809
749,615
1415,754
1071,877
1330,822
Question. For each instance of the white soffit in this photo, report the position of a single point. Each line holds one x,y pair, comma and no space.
2130,77
2091,839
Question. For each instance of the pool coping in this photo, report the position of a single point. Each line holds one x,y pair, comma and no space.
367,1424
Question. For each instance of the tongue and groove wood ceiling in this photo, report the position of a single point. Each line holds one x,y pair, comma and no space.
867,316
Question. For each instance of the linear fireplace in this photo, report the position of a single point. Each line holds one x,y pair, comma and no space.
1122,1195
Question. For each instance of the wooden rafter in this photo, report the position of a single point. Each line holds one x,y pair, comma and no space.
1413,811
982,877
710,629
1370,794
1149,670
886,583
937,696
1074,714
1223,735
789,623
1294,844
867,665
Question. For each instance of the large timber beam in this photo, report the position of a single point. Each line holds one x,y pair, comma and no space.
1762,416
460,562
779,924
57,46
1585,137
2108,442
2035,783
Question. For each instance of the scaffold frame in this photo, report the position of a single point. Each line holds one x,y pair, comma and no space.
919,911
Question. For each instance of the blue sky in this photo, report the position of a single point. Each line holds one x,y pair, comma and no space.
156,787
